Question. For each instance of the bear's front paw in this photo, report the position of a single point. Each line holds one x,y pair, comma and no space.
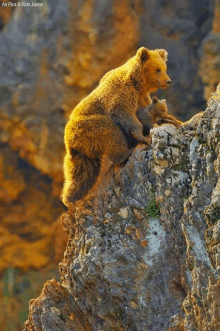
141,139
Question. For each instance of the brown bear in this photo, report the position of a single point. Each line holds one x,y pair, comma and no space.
92,133
155,113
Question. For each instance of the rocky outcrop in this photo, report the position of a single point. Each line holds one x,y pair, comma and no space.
143,248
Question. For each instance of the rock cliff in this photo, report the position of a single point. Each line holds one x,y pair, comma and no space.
143,248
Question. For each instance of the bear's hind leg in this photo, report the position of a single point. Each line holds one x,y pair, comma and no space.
121,157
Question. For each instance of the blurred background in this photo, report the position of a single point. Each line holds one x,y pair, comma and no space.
52,56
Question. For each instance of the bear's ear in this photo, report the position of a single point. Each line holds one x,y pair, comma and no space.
164,101
155,100
143,54
162,53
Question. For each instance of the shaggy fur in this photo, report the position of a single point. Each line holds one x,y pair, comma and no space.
92,129
156,112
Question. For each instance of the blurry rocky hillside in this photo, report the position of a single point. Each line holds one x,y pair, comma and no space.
50,58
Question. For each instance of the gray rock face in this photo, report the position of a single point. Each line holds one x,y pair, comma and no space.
143,249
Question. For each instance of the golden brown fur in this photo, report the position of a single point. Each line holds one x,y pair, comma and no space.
92,133
87,140
124,90
156,112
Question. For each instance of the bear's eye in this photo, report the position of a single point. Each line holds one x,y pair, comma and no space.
158,70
